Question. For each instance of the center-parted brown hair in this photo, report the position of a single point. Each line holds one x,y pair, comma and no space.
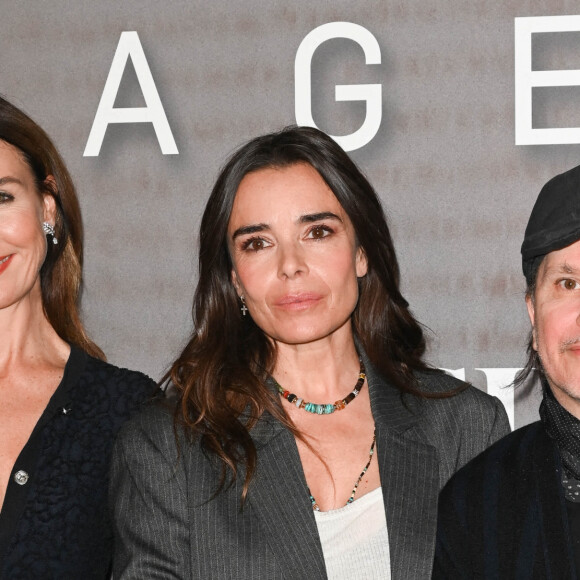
221,374
61,273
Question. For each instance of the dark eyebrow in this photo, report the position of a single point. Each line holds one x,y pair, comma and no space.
244,230
5,180
567,269
315,217
560,269
304,219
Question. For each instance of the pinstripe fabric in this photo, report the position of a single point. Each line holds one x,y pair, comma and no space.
167,526
420,445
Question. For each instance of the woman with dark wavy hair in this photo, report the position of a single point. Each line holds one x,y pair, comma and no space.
308,438
60,403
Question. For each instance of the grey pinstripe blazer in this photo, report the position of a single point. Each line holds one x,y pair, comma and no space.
167,525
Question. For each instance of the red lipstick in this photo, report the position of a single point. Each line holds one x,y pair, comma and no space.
4,262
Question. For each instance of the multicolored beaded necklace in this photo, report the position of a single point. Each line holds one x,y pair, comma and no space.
322,408
351,498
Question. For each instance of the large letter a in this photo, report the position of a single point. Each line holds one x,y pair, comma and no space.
153,112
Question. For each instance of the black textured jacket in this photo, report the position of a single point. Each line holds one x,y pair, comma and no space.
503,516
54,521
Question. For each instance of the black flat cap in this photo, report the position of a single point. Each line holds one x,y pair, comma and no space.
554,222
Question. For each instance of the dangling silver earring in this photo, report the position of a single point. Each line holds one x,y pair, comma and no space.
49,231
243,308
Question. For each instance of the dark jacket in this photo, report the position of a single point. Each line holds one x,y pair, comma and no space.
54,524
504,515
168,527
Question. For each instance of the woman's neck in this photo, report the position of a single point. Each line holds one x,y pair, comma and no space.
26,335
324,370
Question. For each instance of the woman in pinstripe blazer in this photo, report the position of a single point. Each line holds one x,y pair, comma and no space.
247,473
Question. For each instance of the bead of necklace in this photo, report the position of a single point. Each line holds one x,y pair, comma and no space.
324,408
351,498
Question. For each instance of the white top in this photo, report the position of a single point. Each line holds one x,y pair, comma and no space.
354,539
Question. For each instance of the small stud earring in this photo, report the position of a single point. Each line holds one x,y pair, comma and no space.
243,308
49,231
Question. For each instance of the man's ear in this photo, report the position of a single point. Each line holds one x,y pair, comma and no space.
532,315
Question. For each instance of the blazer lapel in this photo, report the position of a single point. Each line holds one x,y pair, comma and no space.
279,497
409,470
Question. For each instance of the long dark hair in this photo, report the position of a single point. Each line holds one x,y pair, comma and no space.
61,272
221,374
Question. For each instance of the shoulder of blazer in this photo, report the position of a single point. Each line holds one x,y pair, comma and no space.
464,398
152,427
402,410
468,421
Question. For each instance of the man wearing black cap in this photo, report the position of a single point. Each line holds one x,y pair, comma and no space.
514,511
